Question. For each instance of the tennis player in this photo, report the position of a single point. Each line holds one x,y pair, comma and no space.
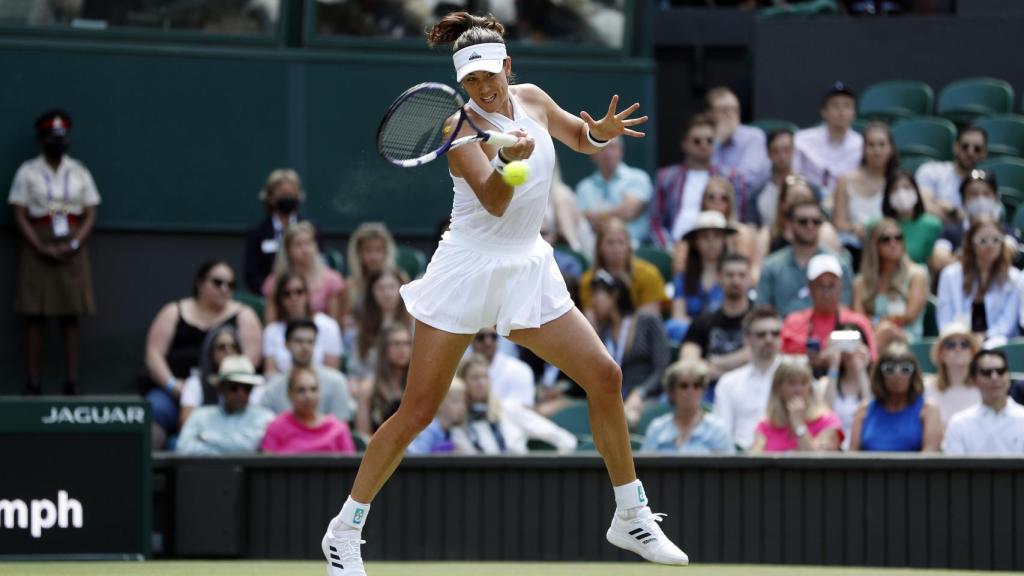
493,269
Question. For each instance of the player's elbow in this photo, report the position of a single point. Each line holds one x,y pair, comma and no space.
497,208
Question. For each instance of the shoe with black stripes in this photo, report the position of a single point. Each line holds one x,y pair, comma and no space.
641,534
341,548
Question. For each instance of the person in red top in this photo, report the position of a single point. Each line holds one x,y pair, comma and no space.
808,331
304,428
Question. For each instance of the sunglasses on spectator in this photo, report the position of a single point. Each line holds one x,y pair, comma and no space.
890,238
688,385
699,141
986,240
762,334
236,386
805,221
486,336
294,292
222,283
399,342
902,368
960,343
968,147
992,372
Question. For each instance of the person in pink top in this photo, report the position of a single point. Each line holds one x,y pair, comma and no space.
797,419
304,428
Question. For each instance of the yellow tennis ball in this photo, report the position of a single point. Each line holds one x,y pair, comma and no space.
516,173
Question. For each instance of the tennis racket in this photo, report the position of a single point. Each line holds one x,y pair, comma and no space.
412,132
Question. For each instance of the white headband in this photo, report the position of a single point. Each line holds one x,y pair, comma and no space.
488,57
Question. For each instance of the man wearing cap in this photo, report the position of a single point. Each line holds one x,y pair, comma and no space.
996,424
54,200
783,282
616,190
831,149
234,426
808,331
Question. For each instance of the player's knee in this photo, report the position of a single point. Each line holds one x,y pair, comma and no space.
414,419
607,380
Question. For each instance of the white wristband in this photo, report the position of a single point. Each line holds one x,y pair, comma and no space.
498,163
596,143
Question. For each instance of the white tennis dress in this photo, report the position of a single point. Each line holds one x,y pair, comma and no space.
490,271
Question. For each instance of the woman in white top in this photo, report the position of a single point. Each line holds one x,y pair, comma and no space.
291,299
847,383
979,289
492,268
858,196
951,388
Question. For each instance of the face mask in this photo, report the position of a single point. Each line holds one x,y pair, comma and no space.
983,206
55,148
287,205
903,200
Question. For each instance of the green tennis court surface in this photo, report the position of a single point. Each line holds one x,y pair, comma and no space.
244,568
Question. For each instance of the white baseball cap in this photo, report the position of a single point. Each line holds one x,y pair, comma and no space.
821,264
489,57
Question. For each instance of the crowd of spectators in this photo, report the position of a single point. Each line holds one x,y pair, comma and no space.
763,294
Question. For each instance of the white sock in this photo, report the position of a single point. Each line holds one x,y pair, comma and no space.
630,497
353,514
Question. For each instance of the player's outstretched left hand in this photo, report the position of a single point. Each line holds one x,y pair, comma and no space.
614,124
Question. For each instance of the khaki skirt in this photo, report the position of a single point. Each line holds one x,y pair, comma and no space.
48,287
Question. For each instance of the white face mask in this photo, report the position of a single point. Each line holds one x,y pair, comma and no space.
903,200
984,206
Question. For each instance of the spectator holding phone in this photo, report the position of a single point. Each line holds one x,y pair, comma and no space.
808,331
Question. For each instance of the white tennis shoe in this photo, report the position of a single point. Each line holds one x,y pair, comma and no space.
341,548
641,534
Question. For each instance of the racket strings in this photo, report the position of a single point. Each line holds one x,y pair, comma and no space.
415,127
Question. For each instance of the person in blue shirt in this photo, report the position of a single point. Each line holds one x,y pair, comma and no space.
687,429
616,190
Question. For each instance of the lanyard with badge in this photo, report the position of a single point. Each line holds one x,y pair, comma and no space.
58,210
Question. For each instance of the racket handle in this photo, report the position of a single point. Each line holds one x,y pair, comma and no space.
501,139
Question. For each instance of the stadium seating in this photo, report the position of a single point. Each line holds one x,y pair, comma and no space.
912,163
964,100
896,99
579,256
251,300
925,136
922,348
335,260
931,325
575,419
650,413
1014,351
662,259
1018,218
859,124
411,260
768,125
1005,134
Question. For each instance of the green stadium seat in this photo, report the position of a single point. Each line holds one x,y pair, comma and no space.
768,125
335,260
912,163
964,100
1018,218
922,348
411,260
662,259
251,300
1005,134
896,99
859,124
1014,350
1010,176
575,419
925,136
931,324
650,413
360,441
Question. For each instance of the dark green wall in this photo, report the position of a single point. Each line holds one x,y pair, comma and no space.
182,138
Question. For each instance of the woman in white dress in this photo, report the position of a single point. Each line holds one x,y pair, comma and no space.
493,269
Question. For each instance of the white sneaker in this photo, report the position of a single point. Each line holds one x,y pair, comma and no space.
341,548
641,534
